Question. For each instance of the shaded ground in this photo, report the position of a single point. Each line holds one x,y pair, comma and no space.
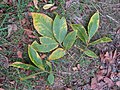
73,72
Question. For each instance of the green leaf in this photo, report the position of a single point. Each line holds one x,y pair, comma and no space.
90,54
35,58
101,40
50,78
81,32
43,24
69,40
59,28
47,40
23,65
93,25
44,48
58,53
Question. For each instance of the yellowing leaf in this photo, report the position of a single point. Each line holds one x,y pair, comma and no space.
23,65
35,58
44,47
101,40
59,28
81,32
47,6
35,3
43,24
69,40
91,54
93,25
58,53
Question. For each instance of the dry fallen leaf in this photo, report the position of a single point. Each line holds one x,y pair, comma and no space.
94,83
100,77
29,33
68,89
2,89
78,66
1,49
35,3
101,85
12,82
118,83
53,8
19,54
75,69
11,27
43,56
47,6
108,81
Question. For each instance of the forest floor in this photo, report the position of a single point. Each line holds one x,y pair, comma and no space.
72,72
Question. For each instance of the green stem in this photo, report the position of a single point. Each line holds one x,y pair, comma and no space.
30,76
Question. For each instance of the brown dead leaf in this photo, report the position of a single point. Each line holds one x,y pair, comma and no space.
118,83
32,36
78,66
19,54
35,3
102,72
94,83
11,28
48,6
2,89
68,89
101,85
29,33
109,57
100,77
1,49
43,56
68,3
109,70
12,82
53,8
108,81
75,69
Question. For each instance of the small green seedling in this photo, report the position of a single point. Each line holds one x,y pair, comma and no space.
86,35
54,39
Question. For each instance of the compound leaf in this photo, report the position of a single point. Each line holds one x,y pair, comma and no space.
58,53
59,28
69,40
